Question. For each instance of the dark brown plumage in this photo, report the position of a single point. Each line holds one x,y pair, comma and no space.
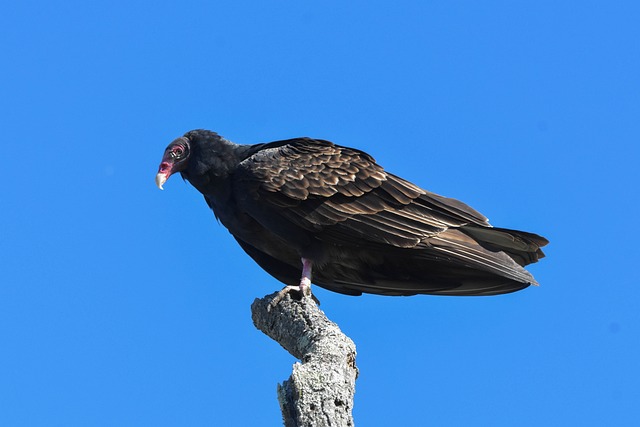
360,227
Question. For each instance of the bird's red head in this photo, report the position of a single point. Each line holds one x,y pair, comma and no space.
175,159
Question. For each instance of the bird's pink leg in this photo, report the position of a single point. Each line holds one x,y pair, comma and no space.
305,280
304,287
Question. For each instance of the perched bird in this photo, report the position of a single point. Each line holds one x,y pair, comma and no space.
307,210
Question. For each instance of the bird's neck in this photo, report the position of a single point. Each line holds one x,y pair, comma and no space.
209,171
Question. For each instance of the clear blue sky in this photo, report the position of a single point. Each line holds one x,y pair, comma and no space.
121,305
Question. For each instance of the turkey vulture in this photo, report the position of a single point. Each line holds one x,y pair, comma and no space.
307,204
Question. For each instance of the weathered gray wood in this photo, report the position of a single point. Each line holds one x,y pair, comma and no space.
321,388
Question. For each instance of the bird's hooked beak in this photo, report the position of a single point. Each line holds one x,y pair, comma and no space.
164,172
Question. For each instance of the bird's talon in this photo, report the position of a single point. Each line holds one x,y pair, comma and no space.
316,300
283,292
302,290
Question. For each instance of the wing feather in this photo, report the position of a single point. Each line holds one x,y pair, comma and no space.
346,194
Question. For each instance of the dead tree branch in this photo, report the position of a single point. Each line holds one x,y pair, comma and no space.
321,388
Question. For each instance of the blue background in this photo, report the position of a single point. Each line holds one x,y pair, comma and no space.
124,305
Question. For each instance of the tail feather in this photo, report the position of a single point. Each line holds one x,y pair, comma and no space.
522,247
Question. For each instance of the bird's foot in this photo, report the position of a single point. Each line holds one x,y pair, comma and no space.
303,290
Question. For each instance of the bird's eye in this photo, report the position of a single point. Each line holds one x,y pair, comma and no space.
177,152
